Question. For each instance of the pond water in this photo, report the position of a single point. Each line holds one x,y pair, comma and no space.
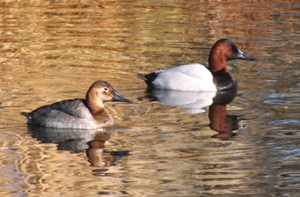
51,51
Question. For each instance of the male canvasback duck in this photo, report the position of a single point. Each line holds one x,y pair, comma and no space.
86,113
197,77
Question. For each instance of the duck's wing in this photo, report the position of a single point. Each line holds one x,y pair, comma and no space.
194,70
64,114
74,107
191,77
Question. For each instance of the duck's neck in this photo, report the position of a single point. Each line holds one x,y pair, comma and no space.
99,114
96,109
95,106
217,62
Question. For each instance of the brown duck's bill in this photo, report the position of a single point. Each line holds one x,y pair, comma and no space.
119,97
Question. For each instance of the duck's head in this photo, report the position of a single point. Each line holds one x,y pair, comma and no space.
100,92
222,51
233,52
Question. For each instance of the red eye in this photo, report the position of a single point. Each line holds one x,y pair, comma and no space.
229,47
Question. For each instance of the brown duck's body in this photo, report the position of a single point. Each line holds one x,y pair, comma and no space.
86,113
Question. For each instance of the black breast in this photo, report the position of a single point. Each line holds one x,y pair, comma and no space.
224,81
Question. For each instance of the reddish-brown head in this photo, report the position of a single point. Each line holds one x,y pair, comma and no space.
222,51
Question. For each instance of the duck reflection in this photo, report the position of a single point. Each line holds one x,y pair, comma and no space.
219,120
196,102
77,140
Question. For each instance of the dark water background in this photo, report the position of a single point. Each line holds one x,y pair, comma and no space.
54,50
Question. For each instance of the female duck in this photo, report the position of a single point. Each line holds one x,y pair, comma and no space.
86,113
197,77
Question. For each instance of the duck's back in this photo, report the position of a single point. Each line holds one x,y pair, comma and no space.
190,77
65,114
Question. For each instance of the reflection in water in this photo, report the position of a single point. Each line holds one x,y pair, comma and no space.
49,47
93,141
196,102
219,120
100,157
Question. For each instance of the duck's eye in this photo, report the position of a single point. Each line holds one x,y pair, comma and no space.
105,88
229,47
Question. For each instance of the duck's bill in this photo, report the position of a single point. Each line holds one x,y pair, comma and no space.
119,97
241,55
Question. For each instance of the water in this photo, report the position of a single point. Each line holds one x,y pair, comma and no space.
51,51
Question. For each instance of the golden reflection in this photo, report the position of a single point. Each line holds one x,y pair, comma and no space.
46,166
49,47
97,155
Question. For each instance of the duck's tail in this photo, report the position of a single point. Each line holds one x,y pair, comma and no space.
27,115
149,78
141,76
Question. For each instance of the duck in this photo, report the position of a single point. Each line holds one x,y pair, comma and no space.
197,77
88,113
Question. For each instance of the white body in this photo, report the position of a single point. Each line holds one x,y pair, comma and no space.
190,77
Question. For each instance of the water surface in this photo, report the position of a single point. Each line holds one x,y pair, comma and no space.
51,51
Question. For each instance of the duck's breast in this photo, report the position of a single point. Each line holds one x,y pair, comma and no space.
190,77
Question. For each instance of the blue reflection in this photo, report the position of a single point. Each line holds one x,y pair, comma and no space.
286,121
